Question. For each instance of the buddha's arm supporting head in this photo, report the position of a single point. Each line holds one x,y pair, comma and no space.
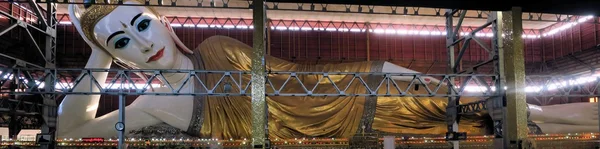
135,36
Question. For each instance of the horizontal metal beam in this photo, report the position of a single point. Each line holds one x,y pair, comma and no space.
24,24
21,107
566,64
8,29
568,7
20,61
573,57
37,11
278,83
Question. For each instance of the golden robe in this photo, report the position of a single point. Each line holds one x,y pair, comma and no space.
295,117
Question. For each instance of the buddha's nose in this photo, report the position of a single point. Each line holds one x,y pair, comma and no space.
148,49
145,43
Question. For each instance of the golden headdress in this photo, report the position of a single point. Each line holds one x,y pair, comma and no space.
94,13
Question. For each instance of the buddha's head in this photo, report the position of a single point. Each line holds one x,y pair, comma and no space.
134,35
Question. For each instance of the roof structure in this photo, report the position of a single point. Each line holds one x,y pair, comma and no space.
571,7
376,13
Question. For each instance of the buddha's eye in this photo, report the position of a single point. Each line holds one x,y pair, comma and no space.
121,43
143,25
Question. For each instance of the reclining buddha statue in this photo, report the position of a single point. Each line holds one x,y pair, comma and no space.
140,38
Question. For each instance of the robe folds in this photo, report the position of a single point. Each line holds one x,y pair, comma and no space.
295,117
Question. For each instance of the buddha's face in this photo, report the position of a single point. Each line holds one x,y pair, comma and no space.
136,36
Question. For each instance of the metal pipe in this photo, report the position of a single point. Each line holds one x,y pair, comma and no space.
269,37
36,45
431,66
482,44
451,108
461,53
598,103
120,126
11,17
368,28
37,12
459,24
8,29
595,30
16,59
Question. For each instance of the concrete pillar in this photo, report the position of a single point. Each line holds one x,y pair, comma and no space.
259,103
510,26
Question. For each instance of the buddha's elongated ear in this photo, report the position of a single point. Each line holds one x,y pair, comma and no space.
99,58
180,44
74,15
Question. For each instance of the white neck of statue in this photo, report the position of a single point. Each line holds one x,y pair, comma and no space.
183,63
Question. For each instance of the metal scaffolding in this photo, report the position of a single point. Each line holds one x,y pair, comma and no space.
124,82
34,113
28,81
50,81
506,57
332,8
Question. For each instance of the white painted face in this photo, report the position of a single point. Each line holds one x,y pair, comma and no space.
136,36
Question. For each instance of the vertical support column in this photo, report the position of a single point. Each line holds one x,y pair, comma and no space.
14,126
268,42
120,126
595,29
259,103
497,106
513,74
367,29
50,106
451,109
598,104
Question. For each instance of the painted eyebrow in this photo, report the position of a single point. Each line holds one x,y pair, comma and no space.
136,16
113,35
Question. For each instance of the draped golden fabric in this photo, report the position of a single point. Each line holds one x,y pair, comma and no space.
291,117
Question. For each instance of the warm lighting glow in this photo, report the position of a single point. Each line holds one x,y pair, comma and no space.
138,142
548,87
205,25
593,99
377,31
91,108
175,25
568,25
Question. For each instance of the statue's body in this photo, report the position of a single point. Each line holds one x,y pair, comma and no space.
134,36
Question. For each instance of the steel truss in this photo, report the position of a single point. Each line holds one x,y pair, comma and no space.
17,114
545,88
44,112
27,81
498,106
67,81
21,107
297,25
454,110
16,23
124,82
317,7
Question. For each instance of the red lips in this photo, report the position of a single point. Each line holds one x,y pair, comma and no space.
156,56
